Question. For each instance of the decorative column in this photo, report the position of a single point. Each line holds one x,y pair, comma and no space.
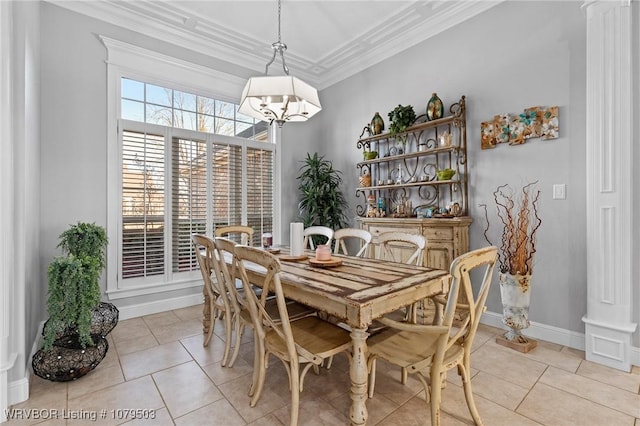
609,325
7,355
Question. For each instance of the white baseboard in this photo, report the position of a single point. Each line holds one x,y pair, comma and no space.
544,332
19,390
141,309
552,334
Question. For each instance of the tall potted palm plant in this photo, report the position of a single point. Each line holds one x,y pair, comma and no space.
321,201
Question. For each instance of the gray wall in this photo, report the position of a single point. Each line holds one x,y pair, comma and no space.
516,55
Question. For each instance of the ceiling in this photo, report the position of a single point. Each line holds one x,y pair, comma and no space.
328,40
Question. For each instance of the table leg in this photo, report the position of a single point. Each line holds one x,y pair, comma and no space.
359,377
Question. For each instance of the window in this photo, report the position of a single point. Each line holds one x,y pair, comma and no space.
149,103
189,164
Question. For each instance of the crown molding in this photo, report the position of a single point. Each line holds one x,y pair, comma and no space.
414,26
172,22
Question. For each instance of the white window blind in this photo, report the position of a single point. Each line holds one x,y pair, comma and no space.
226,165
259,191
143,204
189,200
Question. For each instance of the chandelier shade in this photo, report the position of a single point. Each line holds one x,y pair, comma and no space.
279,98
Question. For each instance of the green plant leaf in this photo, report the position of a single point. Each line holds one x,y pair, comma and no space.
400,118
74,288
321,201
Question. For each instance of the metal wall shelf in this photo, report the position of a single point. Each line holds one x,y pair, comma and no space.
412,174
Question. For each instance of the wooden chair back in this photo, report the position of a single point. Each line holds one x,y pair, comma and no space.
361,235
214,284
388,241
262,319
237,296
245,233
460,271
312,231
226,273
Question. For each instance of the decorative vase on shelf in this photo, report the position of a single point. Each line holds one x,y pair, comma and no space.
377,124
515,291
435,109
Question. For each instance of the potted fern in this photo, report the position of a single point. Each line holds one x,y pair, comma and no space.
78,321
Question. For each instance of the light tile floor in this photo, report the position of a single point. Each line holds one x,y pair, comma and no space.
157,364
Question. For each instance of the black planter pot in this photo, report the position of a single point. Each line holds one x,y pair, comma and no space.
67,360
105,318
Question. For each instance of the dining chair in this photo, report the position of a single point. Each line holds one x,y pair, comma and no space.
301,344
241,317
232,231
214,287
429,351
362,236
388,241
389,246
311,231
225,276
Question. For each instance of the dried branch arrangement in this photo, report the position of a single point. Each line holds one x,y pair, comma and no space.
518,213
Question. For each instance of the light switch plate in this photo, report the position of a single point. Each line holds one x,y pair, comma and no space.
559,191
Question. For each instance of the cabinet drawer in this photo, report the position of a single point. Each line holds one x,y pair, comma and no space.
377,230
438,234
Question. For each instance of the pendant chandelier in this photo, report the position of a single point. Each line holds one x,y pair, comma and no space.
279,98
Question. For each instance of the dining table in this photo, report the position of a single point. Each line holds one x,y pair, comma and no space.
355,291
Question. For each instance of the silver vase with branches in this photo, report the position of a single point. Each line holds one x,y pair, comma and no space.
518,213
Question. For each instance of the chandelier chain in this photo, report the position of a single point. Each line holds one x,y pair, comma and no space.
279,8
278,48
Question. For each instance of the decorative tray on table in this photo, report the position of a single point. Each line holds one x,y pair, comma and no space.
290,258
334,261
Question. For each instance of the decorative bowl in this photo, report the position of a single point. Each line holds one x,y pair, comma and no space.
445,174
370,155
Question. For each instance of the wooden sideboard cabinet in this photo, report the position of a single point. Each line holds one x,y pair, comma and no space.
447,238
